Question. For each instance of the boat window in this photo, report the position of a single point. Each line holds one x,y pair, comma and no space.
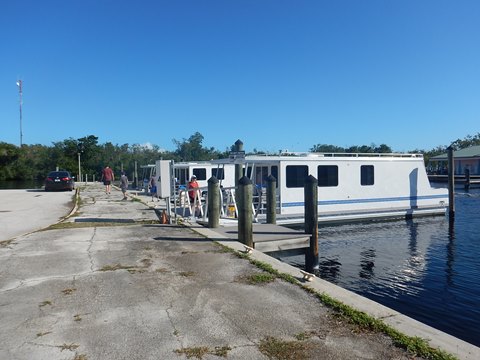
367,175
261,174
200,173
218,173
182,176
248,172
296,175
327,175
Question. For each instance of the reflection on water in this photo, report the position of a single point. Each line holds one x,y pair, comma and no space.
426,268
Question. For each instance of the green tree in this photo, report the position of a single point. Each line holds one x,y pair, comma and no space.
191,149
324,148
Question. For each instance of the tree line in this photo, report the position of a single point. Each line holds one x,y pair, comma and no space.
33,162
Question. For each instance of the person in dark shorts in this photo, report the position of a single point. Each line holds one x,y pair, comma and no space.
153,188
107,178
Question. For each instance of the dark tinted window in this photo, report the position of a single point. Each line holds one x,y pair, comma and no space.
200,173
296,176
327,175
367,175
218,173
59,174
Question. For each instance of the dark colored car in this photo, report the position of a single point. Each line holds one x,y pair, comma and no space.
59,180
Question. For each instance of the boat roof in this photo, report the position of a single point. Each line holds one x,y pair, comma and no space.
318,156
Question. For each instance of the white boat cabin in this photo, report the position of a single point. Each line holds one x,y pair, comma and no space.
350,186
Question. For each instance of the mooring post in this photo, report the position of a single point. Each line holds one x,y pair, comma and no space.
238,167
467,179
213,202
245,212
451,183
271,200
311,222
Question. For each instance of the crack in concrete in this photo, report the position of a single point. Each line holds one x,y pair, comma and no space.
90,257
32,282
175,330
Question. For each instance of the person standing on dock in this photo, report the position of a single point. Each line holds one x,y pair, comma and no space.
153,188
124,185
107,178
193,193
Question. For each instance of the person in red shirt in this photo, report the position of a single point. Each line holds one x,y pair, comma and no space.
192,184
107,177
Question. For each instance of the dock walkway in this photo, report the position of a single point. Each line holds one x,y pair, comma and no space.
112,283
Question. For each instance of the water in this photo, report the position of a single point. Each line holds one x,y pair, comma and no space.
423,268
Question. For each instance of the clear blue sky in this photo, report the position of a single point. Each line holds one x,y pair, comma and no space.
275,74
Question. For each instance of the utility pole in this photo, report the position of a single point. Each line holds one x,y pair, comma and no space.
20,84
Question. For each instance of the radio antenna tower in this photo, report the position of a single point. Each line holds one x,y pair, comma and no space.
20,84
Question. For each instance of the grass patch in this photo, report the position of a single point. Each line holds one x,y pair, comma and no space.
80,357
283,350
201,351
5,243
70,347
45,303
77,317
187,273
116,267
303,336
161,270
257,279
197,352
88,224
68,291
221,351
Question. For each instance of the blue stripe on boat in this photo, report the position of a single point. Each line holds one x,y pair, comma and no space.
375,200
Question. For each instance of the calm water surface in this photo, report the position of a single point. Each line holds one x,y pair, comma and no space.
423,268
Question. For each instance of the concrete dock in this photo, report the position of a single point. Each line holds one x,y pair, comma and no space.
110,282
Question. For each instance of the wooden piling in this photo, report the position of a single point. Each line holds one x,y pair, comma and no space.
271,200
213,202
245,212
238,167
451,183
311,222
467,179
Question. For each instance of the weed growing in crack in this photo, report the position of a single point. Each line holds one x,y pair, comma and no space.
187,273
68,291
256,279
40,334
70,347
45,303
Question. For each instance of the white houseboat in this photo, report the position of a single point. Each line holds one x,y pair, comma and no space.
350,186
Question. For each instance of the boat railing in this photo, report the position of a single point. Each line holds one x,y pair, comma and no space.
228,209
324,154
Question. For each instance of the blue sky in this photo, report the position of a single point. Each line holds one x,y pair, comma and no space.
275,74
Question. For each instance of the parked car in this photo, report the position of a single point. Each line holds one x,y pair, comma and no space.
59,180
